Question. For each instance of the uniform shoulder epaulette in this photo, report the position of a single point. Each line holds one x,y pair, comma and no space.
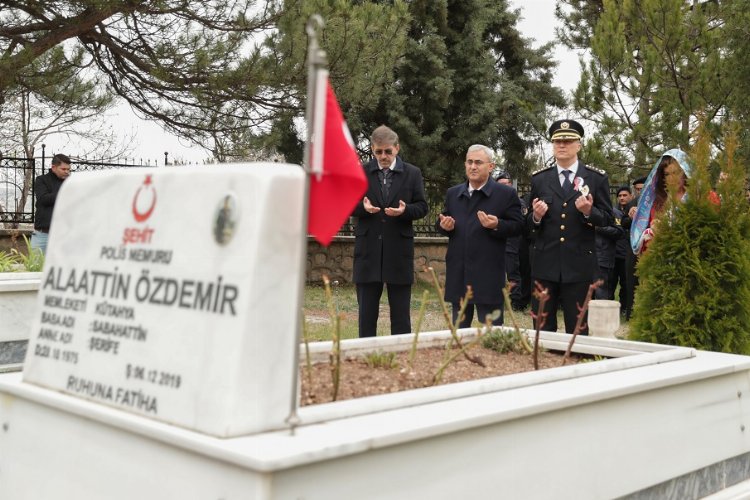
542,170
597,170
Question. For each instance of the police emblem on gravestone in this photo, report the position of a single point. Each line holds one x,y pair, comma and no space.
144,201
225,219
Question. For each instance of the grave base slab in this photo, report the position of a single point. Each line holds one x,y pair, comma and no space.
597,435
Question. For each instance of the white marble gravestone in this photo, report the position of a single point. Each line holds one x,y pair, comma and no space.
172,293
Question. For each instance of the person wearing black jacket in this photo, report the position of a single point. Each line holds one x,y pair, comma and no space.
607,239
624,202
568,200
384,235
513,247
46,187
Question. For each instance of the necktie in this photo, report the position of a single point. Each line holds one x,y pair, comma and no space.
567,185
385,174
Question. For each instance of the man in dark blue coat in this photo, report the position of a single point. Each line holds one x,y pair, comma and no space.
479,216
568,200
384,236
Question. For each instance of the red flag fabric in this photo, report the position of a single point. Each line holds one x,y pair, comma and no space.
342,184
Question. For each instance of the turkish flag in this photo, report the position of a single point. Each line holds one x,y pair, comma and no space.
337,181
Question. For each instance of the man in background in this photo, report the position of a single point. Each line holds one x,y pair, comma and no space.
384,235
624,203
637,186
513,248
607,239
631,260
46,187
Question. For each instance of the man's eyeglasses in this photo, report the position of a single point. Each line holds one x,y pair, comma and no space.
478,163
379,152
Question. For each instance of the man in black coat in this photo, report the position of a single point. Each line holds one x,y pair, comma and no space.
513,251
608,238
624,202
384,235
631,260
46,187
478,217
568,200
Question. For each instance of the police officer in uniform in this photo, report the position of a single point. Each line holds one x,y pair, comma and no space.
568,200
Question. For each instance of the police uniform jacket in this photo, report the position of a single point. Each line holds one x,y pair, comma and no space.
607,240
476,255
384,245
564,247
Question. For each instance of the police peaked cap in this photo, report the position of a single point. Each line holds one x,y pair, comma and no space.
565,129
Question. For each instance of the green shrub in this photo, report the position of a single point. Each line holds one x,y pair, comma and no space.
33,260
695,277
8,262
504,341
381,359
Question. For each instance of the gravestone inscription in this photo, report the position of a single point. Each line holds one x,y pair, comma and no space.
172,293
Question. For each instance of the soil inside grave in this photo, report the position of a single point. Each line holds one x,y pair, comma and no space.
359,380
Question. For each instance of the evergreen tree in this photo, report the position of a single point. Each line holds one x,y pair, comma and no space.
695,276
363,41
738,47
653,66
195,66
466,77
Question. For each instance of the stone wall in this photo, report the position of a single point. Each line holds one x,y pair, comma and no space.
337,260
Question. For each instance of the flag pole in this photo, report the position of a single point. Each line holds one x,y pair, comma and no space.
316,62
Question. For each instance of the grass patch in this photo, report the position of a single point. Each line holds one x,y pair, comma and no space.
318,324
380,359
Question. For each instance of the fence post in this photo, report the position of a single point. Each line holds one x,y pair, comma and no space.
166,154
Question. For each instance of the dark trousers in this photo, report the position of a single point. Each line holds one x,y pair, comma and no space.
513,271
606,289
568,295
524,259
368,298
620,276
482,311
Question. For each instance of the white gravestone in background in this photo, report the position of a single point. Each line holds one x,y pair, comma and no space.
172,293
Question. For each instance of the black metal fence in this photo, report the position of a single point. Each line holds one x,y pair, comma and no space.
17,176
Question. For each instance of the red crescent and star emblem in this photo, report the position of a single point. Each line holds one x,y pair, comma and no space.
141,216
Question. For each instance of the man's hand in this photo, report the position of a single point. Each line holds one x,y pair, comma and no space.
395,212
487,221
447,222
584,204
540,208
369,207
631,212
